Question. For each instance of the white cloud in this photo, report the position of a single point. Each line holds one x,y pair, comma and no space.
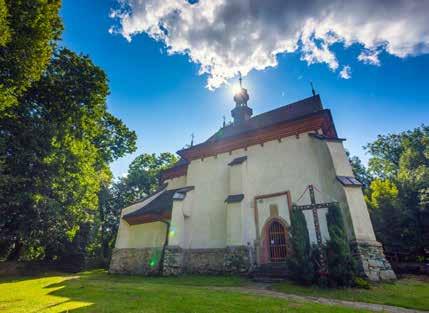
369,57
227,36
346,72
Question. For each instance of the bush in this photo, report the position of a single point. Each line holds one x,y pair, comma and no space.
361,283
300,264
340,262
319,279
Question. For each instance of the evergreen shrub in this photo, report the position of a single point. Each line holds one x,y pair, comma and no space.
300,264
341,265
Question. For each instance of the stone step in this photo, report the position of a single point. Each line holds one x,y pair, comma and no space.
270,273
272,268
269,280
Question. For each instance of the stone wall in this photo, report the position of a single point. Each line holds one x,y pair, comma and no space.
232,260
173,261
372,262
204,261
136,261
239,259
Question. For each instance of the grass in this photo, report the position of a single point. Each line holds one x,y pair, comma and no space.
408,293
98,292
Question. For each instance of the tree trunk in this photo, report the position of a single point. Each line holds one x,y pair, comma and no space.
16,251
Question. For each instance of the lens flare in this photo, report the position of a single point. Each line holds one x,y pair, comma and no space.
235,89
155,257
172,232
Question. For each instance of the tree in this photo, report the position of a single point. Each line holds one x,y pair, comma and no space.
144,173
385,154
340,263
28,32
4,24
383,204
57,146
359,170
398,199
300,263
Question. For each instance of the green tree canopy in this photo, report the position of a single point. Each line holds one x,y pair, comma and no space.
28,31
360,171
144,172
57,147
398,197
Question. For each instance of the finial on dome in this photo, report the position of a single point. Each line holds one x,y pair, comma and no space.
240,79
241,97
241,112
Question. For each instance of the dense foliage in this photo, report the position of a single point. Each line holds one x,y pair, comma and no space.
28,30
340,262
300,263
57,198
56,146
398,190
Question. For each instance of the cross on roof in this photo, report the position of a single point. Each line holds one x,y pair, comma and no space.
240,78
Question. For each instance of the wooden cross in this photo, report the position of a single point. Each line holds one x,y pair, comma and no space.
314,207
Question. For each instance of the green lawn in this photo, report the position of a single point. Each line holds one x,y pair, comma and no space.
98,292
408,293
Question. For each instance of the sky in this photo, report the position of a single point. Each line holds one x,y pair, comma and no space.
172,64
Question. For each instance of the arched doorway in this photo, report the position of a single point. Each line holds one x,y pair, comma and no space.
277,242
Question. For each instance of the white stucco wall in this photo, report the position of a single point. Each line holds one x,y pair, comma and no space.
289,165
177,182
357,211
181,214
142,235
234,218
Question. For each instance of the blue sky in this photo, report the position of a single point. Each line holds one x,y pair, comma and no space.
164,100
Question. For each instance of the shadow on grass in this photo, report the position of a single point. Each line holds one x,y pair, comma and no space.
99,292
104,293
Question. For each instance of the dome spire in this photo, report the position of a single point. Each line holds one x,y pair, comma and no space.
241,96
240,79
241,112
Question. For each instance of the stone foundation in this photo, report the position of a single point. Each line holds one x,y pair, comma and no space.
173,261
230,260
136,261
371,261
204,261
238,259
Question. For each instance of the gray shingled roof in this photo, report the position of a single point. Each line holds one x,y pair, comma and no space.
163,203
285,113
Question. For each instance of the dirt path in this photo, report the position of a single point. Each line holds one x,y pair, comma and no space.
262,289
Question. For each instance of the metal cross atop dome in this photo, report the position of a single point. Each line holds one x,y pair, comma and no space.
240,79
241,97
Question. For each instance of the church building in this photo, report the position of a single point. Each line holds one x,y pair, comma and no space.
225,206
